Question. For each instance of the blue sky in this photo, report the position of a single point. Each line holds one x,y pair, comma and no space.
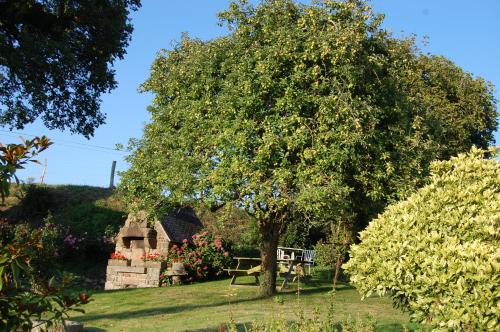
464,31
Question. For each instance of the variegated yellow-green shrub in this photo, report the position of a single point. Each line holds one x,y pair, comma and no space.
438,253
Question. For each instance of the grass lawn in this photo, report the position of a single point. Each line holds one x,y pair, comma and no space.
204,307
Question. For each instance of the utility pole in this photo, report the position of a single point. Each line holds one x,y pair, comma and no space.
112,177
42,178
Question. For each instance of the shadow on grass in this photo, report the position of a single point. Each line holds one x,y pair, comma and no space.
314,286
158,311
181,308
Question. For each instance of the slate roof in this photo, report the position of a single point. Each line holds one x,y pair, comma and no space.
182,224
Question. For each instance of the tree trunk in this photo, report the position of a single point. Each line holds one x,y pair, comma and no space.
269,245
337,270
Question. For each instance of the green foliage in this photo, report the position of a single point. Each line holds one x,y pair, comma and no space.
36,201
233,225
332,252
301,106
92,220
308,110
56,60
296,234
437,252
21,301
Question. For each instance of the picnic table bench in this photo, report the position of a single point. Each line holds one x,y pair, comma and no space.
289,269
247,266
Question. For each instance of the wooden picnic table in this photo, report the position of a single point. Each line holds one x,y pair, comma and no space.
251,266
288,269
247,266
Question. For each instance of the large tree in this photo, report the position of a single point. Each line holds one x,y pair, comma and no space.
56,57
310,111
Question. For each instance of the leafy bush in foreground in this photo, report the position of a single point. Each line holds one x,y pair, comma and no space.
24,302
437,253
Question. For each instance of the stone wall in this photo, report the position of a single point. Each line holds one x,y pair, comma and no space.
121,274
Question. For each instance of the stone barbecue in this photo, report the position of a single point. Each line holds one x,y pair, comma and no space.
136,239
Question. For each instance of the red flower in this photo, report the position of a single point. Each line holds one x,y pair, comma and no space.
84,297
118,256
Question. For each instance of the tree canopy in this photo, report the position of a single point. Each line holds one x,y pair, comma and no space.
302,110
56,57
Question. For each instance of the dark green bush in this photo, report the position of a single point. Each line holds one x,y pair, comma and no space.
35,203
92,220
296,234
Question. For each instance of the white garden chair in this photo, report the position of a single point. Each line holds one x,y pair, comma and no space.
308,258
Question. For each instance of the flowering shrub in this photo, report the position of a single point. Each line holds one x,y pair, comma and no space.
22,302
118,256
152,257
204,257
49,255
71,240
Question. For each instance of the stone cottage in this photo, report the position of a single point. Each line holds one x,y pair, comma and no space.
136,240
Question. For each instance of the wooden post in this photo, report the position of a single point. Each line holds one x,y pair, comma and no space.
42,178
112,176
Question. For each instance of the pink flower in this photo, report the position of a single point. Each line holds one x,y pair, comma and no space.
226,254
185,241
70,240
205,267
218,243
